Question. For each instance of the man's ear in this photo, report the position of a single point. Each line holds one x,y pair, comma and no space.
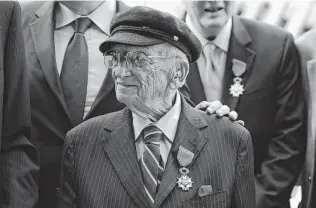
180,74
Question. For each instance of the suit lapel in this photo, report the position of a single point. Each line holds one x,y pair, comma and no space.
120,148
43,37
194,82
238,49
188,135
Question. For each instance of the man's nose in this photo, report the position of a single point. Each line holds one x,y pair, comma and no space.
122,71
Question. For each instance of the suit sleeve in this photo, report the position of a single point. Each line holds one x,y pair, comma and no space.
18,160
306,50
286,150
244,187
67,193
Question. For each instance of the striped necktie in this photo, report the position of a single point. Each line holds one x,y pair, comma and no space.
151,162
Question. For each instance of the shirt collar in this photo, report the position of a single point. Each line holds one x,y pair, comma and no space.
167,124
101,17
221,40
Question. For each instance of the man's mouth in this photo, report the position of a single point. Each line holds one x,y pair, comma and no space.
213,9
125,84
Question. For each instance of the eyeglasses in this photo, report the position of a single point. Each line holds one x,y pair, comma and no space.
132,58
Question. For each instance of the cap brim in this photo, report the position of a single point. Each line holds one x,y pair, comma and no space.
129,38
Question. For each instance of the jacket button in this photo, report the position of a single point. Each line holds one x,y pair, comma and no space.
310,178
57,191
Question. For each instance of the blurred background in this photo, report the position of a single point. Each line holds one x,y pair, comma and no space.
295,16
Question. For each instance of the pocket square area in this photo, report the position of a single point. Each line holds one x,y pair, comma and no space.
205,190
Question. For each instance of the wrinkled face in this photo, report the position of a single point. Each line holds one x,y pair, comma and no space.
209,16
141,80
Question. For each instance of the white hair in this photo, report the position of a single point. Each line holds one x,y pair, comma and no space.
166,49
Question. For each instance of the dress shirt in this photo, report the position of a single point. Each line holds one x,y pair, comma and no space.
218,56
99,31
167,124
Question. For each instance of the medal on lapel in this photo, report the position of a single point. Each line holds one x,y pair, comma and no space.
237,88
238,68
184,181
184,158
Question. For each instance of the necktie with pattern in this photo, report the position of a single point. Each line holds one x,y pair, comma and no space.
151,162
74,74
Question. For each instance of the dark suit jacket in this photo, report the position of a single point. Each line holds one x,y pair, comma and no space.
306,45
272,105
50,119
18,158
100,167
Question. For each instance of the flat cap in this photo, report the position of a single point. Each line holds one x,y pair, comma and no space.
144,26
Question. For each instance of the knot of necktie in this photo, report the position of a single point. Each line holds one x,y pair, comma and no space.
152,134
209,49
82,24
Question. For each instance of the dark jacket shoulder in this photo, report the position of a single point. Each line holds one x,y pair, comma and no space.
96,125
7,6
223,127
263,28
268,39
271,42
88,130
6,11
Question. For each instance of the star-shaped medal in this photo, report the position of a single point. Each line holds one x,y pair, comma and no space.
185,182
236,89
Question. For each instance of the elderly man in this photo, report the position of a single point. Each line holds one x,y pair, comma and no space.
253,68
67,86
158,151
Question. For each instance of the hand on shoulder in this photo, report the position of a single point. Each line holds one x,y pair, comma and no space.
219,109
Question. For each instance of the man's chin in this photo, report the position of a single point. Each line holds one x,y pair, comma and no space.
124,98
212,27
135,104
127,99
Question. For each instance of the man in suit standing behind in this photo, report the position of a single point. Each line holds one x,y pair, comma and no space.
158,151
68,82
253,68
306,46
18,157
